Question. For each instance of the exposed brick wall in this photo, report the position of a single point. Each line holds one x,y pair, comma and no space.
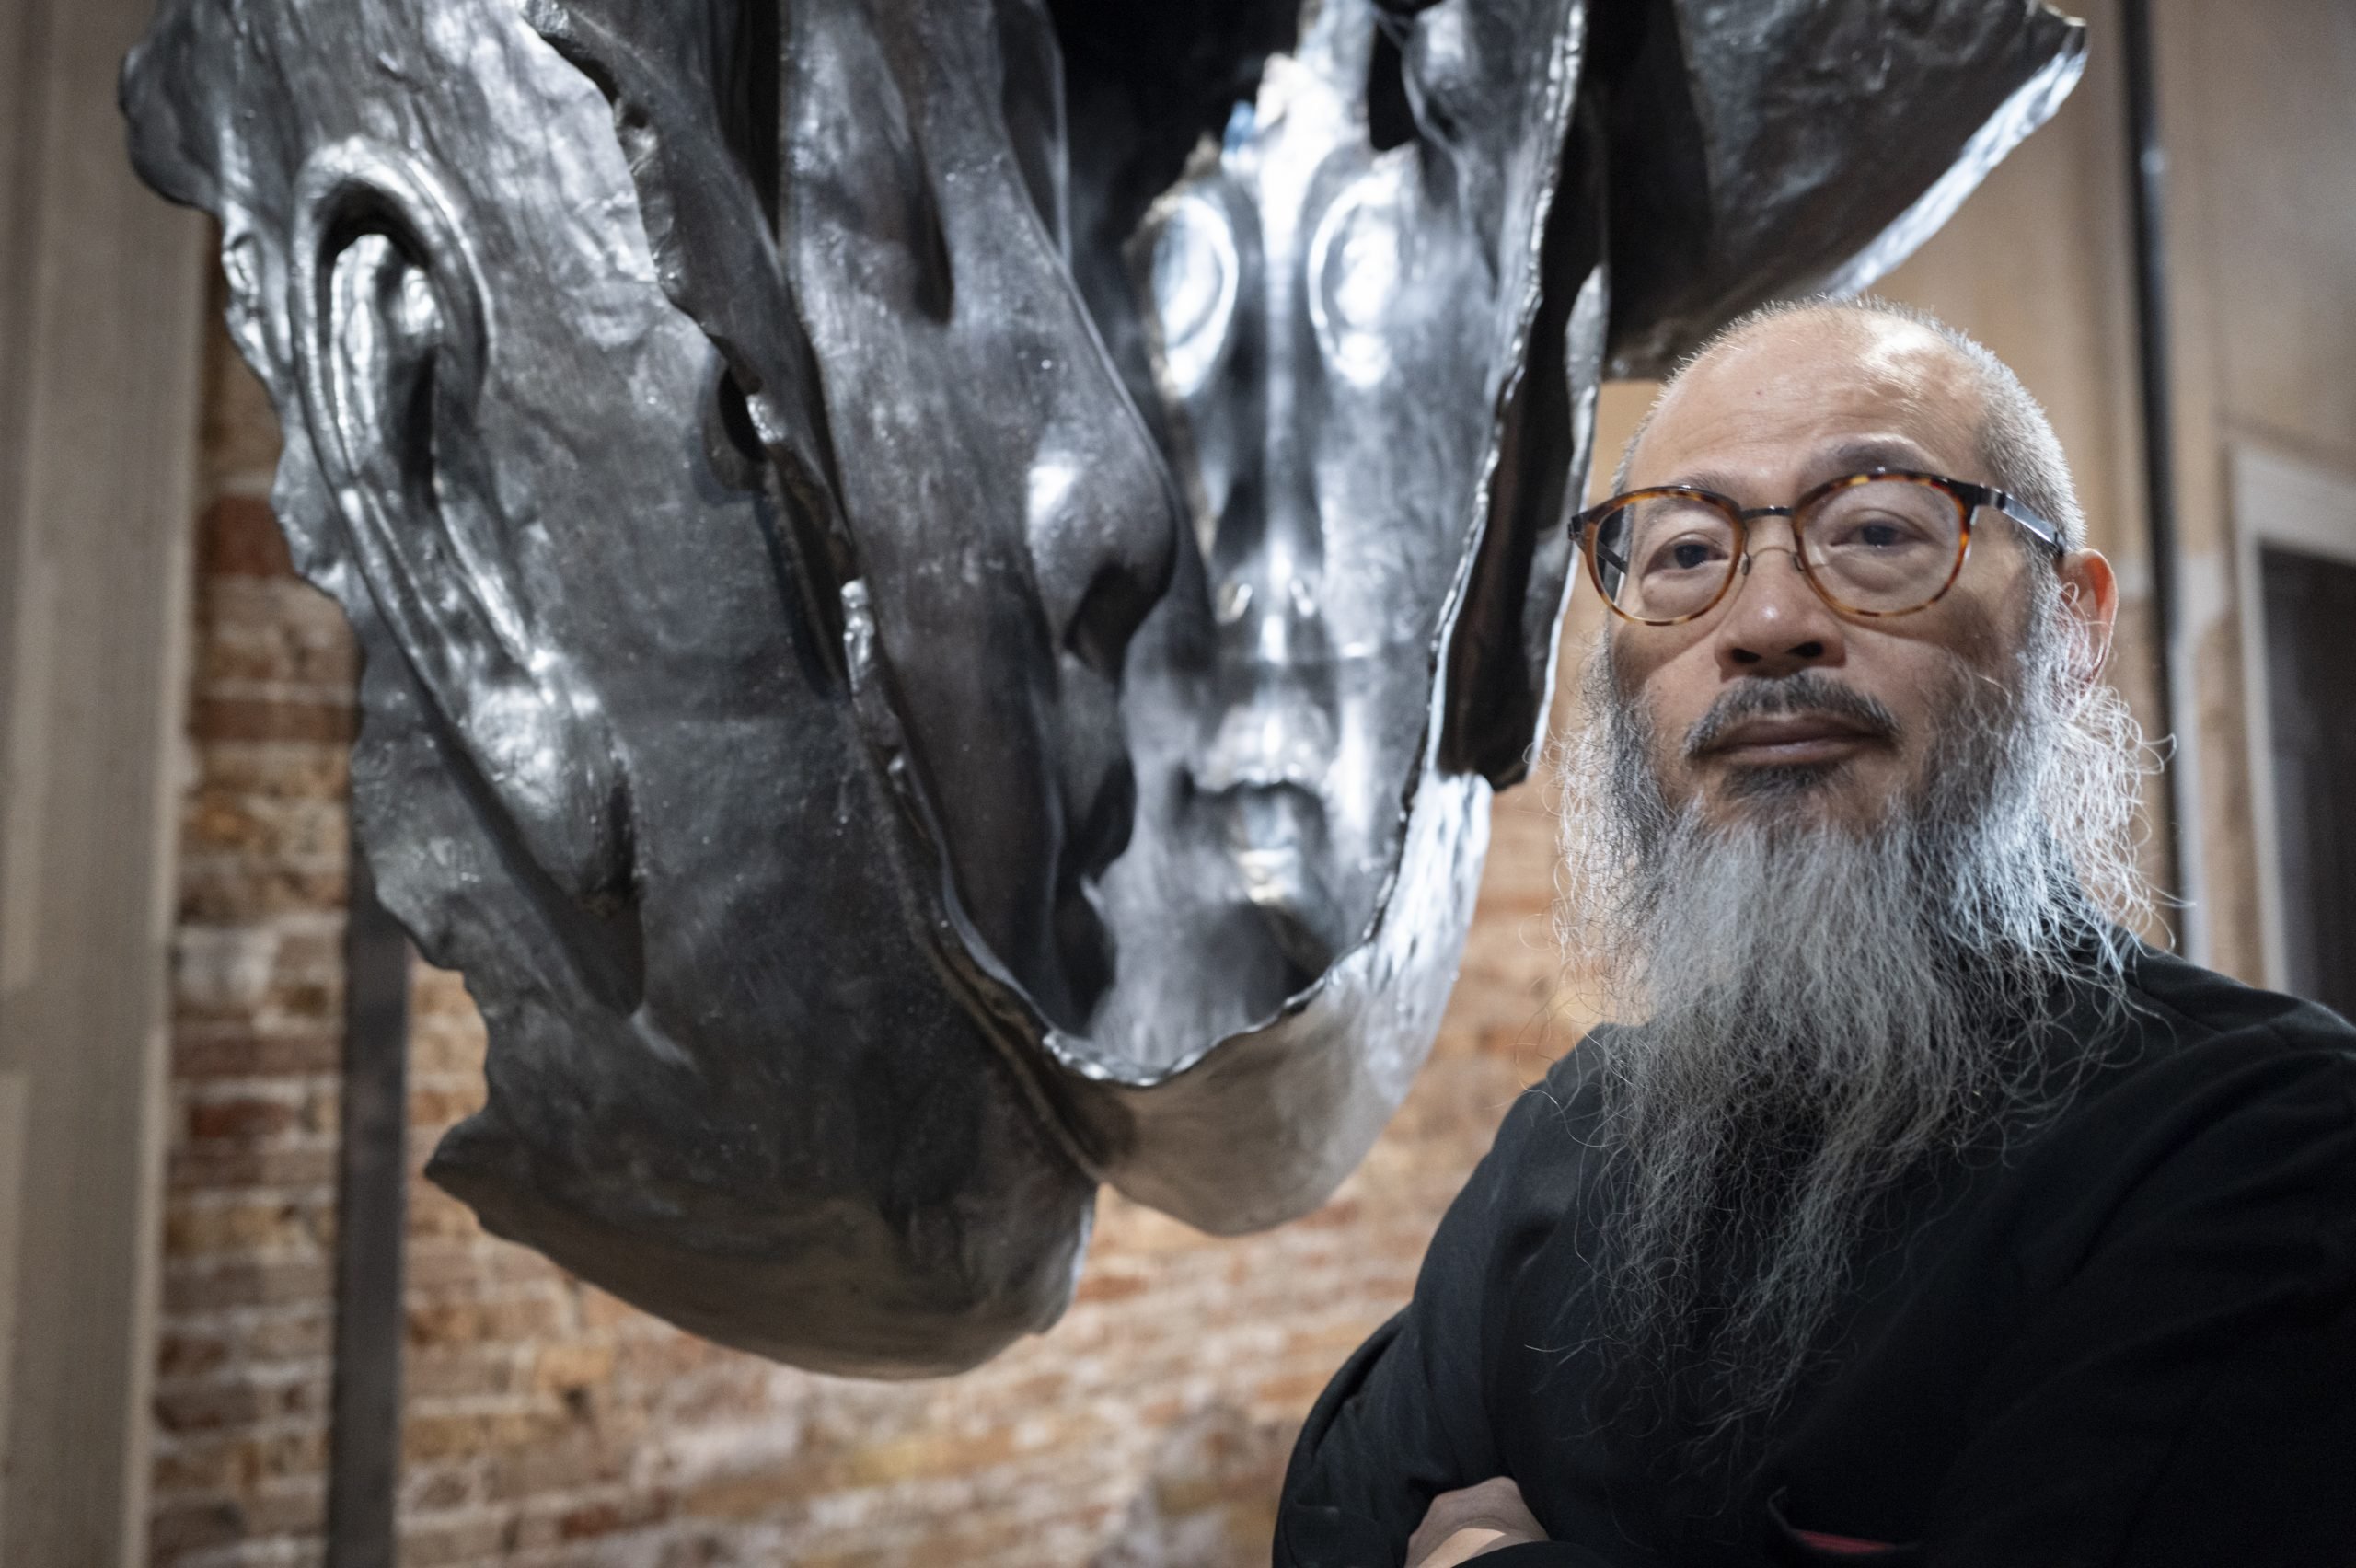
548,1423
249,1215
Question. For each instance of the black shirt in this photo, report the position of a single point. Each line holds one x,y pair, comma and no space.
2129,1339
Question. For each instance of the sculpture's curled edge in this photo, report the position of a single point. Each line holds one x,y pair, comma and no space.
919,666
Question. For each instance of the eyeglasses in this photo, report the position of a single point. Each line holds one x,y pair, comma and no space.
1884,543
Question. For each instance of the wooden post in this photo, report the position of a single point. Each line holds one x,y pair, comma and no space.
372,1208
101,294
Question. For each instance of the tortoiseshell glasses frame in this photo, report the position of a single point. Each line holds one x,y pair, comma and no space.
1965,498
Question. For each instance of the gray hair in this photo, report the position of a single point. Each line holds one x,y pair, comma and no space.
2017,439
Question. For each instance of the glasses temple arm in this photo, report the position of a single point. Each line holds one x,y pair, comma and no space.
2045,532
1580,540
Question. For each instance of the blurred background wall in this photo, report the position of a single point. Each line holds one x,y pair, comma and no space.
168,1200
102,292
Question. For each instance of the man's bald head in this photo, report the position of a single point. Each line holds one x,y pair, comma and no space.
2014,436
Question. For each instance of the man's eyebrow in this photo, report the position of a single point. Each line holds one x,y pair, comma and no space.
1708,479
1849,457
1877,451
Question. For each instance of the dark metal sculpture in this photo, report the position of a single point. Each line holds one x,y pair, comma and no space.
945,583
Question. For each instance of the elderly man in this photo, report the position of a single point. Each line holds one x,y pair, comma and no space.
1926,1216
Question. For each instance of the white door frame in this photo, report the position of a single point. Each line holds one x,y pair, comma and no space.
2292,504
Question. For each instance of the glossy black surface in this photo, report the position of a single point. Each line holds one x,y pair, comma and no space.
945,582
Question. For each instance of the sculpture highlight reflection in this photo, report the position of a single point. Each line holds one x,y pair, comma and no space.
945,583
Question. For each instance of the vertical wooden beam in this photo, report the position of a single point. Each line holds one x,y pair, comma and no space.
2147,196
365,1434
101,290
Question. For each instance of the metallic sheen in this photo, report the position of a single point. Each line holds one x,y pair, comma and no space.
945,583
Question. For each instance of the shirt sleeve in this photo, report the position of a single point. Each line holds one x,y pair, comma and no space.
2188,1395
1408,1417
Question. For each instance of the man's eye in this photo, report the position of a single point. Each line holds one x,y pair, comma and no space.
1684,554
1876,533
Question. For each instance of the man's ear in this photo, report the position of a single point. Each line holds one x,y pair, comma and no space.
2090,604
391,337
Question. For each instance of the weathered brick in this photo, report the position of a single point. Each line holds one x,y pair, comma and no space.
288,1511
261,830
240,437
508,1317
220,1460
244,1118
277,1226
188,1353
219,1168
303,1332
560,1367
219,889
207,1407
611,1514
206,1050
473,1537
278,771
427,1435
434,1105
434,1213
1110,1288
261,1283
442,1488
236,536
571,1462
176,1530
250,718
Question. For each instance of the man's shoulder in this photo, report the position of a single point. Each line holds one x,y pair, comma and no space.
2216,1073
2181,1005
1546,1143
1569,1098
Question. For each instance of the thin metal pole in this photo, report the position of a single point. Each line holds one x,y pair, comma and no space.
2147,181
372,1206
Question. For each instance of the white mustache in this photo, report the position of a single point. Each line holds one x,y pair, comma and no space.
1808,691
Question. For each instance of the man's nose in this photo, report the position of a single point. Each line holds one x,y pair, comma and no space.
1777,624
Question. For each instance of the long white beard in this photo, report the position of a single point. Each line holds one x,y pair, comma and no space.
1824,1009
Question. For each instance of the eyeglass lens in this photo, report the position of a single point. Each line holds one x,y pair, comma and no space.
1884,546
